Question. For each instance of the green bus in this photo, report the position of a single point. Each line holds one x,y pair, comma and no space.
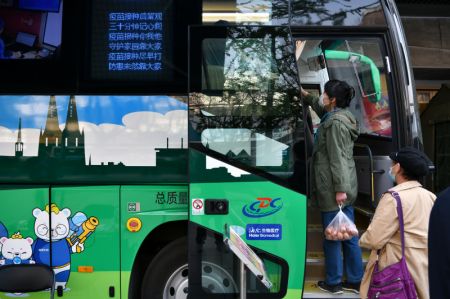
133,132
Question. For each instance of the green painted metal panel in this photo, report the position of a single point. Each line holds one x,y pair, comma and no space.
101,247
111,247
16,216
154,206
243,196
157,205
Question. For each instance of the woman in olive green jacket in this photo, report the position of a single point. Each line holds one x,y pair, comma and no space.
334,180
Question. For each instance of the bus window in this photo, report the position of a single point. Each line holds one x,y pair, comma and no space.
360,64
248,110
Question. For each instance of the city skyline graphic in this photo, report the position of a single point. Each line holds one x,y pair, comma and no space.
138,146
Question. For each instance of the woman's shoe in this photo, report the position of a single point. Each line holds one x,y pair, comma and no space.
333,289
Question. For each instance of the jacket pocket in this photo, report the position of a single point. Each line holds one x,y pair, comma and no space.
324,185
323,178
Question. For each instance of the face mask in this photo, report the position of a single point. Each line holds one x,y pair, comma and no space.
321,100
391,175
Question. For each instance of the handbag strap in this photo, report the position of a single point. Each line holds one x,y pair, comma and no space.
401,225
400,220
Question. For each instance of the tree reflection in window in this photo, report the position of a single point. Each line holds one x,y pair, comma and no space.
254,115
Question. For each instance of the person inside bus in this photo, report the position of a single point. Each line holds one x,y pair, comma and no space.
2,44
334,180
408,166
302,149
4,53
297,179
439,247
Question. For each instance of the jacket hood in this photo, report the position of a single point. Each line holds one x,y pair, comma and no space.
347,119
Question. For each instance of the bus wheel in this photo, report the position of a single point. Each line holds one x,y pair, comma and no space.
167,275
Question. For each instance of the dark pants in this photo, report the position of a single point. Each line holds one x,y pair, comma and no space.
333,258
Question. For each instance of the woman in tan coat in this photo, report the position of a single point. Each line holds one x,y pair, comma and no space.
383,232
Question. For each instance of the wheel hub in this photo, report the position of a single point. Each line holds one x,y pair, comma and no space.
177,284
215,279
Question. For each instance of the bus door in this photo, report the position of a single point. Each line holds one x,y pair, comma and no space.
246,160
362,62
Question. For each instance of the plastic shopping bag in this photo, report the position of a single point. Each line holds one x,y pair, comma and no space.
341,228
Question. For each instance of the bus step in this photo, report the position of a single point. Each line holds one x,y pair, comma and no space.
364,211
313,228
312,291
318,257
315,265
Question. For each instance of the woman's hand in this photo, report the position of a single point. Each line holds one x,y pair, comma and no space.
304,92
341,197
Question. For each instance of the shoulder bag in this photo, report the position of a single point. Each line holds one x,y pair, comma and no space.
394,281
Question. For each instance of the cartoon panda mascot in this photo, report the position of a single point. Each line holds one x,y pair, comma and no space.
61,249
16,250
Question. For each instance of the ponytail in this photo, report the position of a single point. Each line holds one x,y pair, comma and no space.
340,90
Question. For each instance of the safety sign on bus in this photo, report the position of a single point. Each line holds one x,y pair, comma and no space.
198,206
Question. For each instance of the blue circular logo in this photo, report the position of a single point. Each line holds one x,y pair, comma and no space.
262,207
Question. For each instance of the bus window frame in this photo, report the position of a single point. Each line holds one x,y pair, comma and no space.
382,35
203,32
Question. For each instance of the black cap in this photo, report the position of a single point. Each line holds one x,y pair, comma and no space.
412,161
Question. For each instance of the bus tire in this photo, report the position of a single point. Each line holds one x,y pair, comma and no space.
171,263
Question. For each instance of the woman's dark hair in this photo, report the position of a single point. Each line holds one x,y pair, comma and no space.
340,90
410,176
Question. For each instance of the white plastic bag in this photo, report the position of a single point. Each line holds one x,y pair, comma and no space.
341,228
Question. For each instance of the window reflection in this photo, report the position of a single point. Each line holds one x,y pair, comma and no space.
359,63
303,12
248,109
337,12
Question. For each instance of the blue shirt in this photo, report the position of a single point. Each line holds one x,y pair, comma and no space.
2,49
60,250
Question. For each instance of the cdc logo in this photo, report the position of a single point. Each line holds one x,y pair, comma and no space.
262,207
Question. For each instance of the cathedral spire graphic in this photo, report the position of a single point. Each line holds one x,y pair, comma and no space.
19,143
52,122
50,139
72,137
72,117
